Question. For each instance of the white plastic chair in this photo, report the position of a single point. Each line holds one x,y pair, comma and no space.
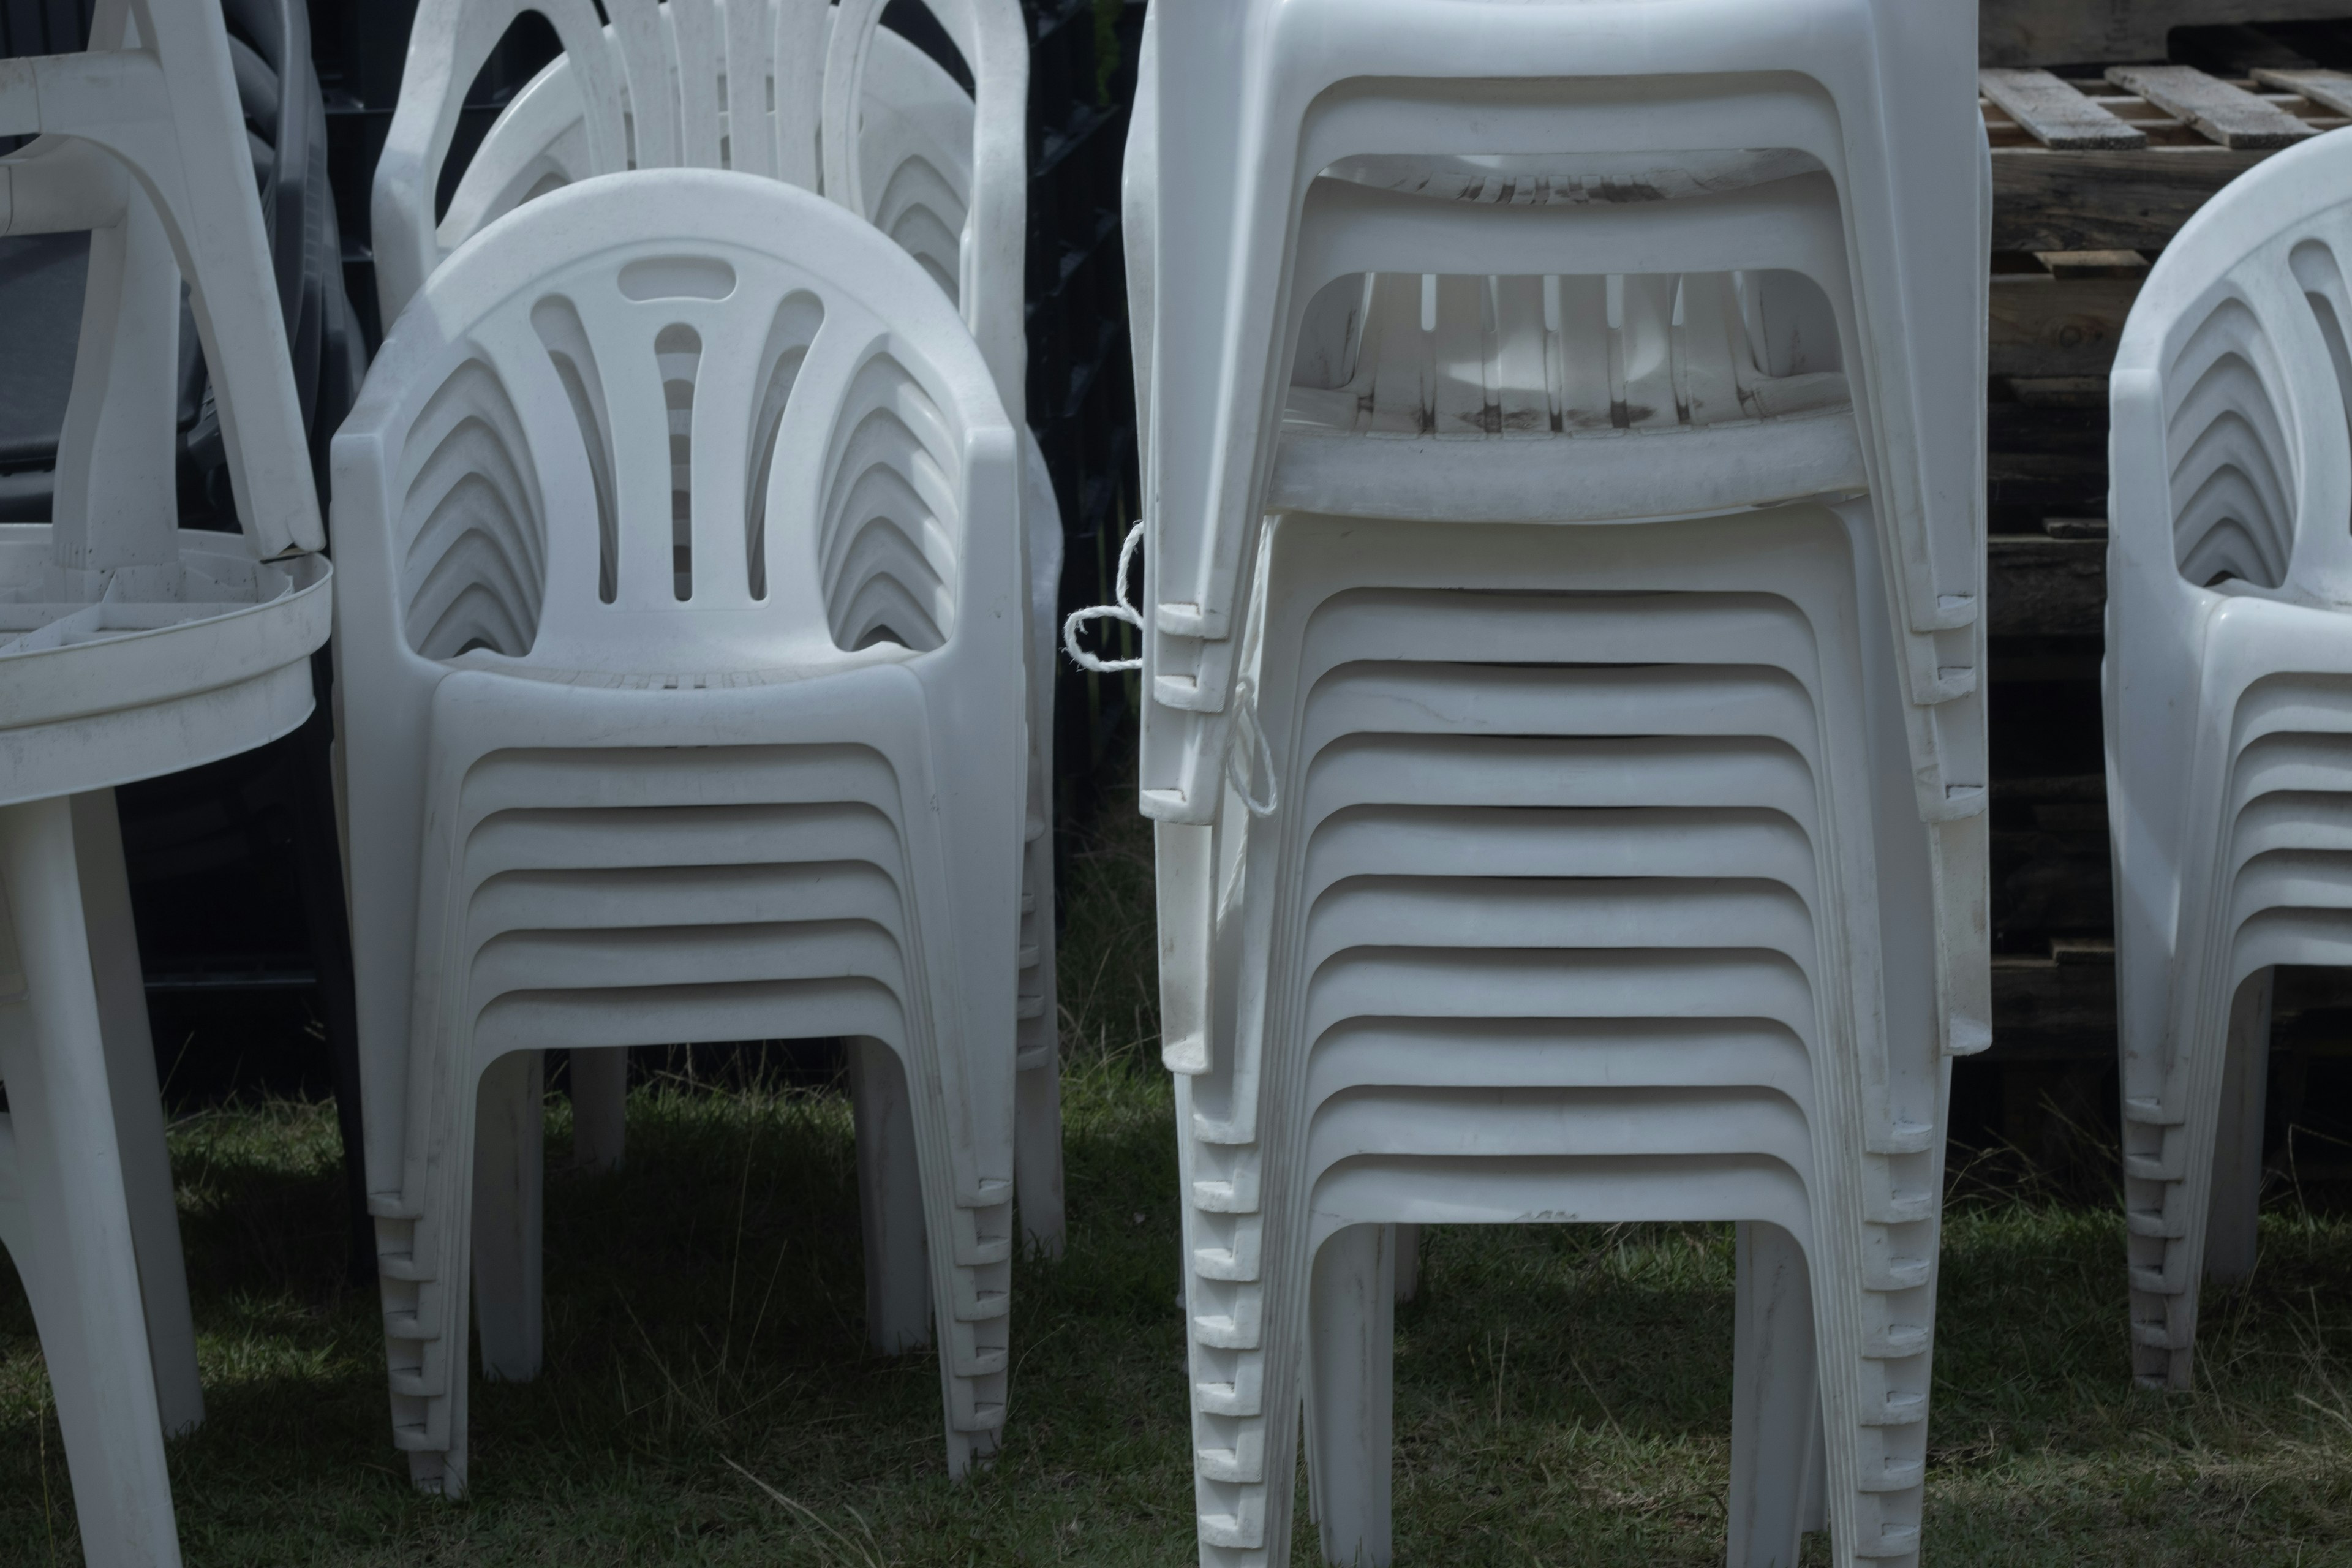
941,170
132,649
1861,89
1458,334
1465,895
2229,700
743,760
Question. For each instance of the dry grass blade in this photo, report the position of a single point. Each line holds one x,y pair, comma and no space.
865,1558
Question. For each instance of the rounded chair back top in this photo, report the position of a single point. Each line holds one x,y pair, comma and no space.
2232,453
682,57
702,424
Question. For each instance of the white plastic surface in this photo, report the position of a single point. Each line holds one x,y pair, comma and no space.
941,170
2229,702
129,649
1564,479
681,645
1463,109
1603,907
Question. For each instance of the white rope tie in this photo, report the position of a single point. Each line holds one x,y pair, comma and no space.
1120,611
1247,732
1249,757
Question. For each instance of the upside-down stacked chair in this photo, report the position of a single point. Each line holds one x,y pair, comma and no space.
1560,644
41,280
180,839
682,656
941,170
2229,702
132,649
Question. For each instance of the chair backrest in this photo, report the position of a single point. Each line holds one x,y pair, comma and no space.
994,44
2231,452
129,137
697,425
819,73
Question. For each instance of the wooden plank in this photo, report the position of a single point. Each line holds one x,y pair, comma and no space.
2076,527
2086,32
2329,89
2047,200
2055,113
2229,115
2054,326
2048,458
2045,587
2070,264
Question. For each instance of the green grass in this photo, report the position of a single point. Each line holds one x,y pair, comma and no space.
1563,1394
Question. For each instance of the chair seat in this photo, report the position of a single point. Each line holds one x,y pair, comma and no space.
103,694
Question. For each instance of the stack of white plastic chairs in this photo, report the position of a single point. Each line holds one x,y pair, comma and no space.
2229,702
1560,654
132,649
728,764
940,170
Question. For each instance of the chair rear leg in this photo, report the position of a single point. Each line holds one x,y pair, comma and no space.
1350,1395
509,1205
1037,1156
326,912
889,1201
75,1215
2238,1136
1038,1087
138,1110
1408,1261
600,1094
1776,1406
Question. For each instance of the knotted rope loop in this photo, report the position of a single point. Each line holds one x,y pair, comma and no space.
1120,611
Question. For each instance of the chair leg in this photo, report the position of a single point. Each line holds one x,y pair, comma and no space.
138,1110
1776,1407
600,1095
1408,1262
1037,1156
1037,1087
326,912
2205,1180
2236,1201
889,1201
76,1217
1812,1510
510,1195
1350,1395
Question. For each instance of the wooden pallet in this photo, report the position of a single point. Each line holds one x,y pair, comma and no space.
2119,160
2084,32
2096,165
